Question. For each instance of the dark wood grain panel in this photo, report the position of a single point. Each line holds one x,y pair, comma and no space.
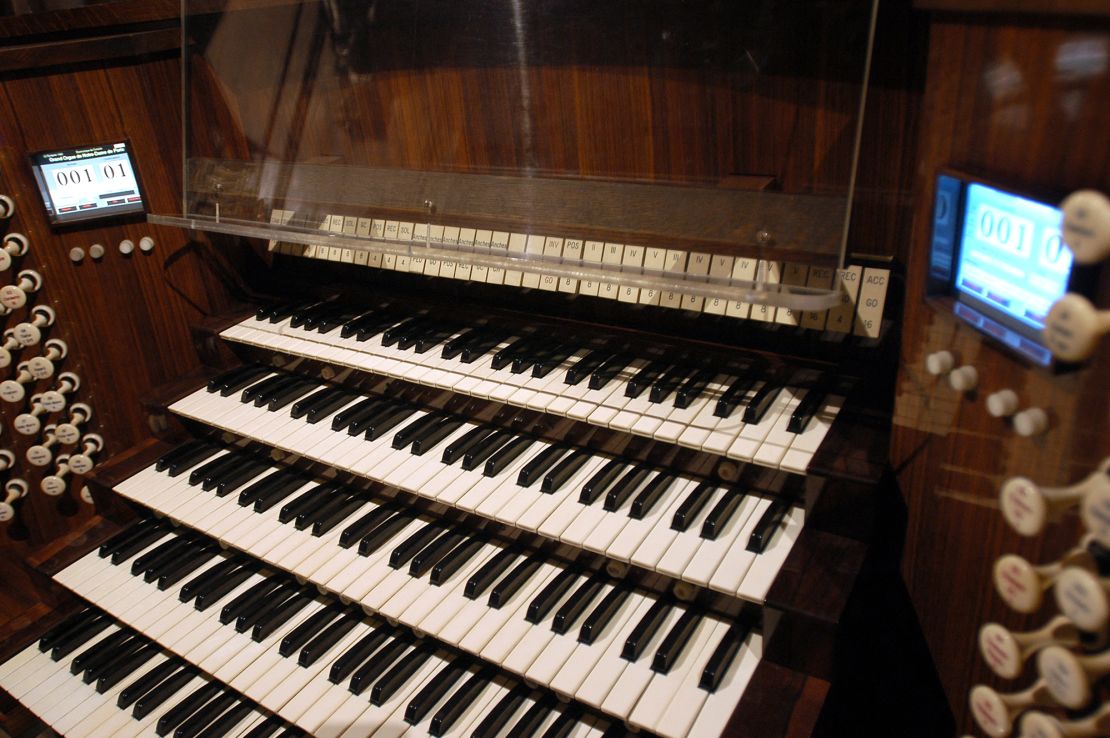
1031,7
995,103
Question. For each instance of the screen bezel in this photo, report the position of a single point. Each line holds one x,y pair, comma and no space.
51,210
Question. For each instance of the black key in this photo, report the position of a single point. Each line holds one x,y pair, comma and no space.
368,522
431,439
178,570
251,393
236,478
219,589
594,624
553,360
669,382
200,719
67,627
577,603
650,495
542,603
734,395
526,358
248,599
106,662
565,723
270,490
453,561
378,537
319,645
210,469
717,665
644,378
485,448
506,455
495,721
278,389
183,457
330,500
600,481
458,448
394,333
192,551
290,394
481,346
412,545
401,672
279,615
455,345
78,637
274,313
505,356
305,501
359,652
368,326
461,701
608,370
534,717
339,511
382,660
565,469
326,407
310,628
692,388
260,610
692,505
435,336
415,429
761,401
543,461
808,406
649,624
388,422
113,544
768,524
433,691
137,544
206,579
222,725
504,590
674,642
586,366
148,681
623,489
167,548
223,379
434,552
181,712
415,335
302,315
266,728
340,316
721,513
488,573
344,418
375,414
156,697
243,380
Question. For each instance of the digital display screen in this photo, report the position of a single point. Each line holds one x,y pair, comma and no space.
88,182
1011,258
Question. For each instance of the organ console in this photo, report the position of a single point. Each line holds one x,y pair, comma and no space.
575,369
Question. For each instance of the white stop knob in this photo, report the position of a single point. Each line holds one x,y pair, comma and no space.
41,367
5,358
39,455
11,391
1086,225
96,251
67,433
52,400
53,485
964,379
1082,597
5,261
81,464
146,244
1031,422
1002,404
27,424
939,362
126,246
12,297
1072,328
7,512
86,495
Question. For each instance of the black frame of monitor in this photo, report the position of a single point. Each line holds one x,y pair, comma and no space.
50,208
950,199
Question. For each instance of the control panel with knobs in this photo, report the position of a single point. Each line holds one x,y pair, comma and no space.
69,432
1036,724
42,367
15,245
1027,507
14,390
1022,585
1006,652
13,490
41,454
54,400
994,712
29,423
14,296
55,484
29,332
83,461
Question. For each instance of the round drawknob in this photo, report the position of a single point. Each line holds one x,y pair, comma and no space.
70,432
964,379
41,454
7,459
55,400
13,490
1069,677
994,713
54,485
82,463
1071,329
86,495
126,246
1005,652
14,296
15,244
1086,225
146,244
96,251
1002,404
7,207
939,362
1081,596
30,333
1036,724
1026,506
1022,585
1031,422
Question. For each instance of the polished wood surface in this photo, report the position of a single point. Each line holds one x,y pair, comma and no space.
1028,105
1032,7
